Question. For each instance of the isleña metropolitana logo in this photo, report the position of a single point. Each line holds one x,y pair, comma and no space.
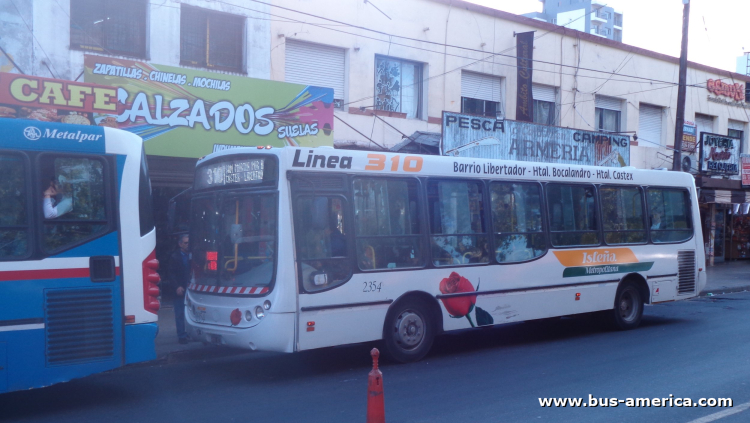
600,261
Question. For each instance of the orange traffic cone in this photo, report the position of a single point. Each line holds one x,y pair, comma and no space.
375,399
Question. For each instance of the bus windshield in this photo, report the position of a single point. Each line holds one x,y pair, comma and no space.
234,240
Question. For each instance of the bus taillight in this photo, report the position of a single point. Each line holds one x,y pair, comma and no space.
151,283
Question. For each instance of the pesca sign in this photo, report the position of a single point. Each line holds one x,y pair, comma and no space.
720,154
734,91
183,112
478,136
53,100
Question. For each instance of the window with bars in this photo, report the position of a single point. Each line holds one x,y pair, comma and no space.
398,86
211,39
109,26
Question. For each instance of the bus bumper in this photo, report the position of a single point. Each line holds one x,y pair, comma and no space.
140,342
274,333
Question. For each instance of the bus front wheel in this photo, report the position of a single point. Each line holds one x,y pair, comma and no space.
409,331
628,308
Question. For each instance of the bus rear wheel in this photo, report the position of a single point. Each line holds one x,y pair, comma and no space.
409,331
628,308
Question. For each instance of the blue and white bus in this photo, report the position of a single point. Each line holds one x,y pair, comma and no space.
78,283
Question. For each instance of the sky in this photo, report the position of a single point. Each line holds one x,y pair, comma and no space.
718,29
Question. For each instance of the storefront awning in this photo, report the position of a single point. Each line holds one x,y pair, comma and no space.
722,196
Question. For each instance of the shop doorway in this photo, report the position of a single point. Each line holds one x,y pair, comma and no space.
169,177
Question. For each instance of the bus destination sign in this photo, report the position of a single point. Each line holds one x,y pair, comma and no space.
232,172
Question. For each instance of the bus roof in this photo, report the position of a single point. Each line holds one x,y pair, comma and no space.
21,134
393,164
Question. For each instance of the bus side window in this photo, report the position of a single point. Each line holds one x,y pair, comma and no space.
669,214
622,215
517,221
386,226
457,223
573,215
80,186
14,224
322,246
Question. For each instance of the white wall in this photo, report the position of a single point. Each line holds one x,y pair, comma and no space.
50,21
484,34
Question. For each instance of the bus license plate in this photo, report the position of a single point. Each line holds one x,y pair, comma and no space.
216,339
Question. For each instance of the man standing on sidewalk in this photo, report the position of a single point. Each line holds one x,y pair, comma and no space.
179,274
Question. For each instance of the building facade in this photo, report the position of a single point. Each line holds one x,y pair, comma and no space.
394,69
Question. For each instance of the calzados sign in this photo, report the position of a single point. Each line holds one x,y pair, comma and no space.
735,91
184,112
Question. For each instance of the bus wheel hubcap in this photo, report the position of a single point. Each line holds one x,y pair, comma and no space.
627,306
409,329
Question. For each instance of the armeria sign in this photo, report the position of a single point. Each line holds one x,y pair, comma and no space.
720,154
482,137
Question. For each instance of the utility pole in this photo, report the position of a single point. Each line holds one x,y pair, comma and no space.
680,121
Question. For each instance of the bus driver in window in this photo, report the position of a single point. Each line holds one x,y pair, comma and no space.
52,207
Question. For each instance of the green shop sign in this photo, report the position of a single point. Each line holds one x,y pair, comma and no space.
183,112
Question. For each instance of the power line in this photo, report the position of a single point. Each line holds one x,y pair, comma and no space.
425,41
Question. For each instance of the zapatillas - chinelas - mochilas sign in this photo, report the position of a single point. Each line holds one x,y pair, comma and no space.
182,112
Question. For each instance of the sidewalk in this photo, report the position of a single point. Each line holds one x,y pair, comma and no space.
733,276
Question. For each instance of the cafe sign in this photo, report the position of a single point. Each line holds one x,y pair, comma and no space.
53,100
720,154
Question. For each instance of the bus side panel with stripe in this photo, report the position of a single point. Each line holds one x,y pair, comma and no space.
42,339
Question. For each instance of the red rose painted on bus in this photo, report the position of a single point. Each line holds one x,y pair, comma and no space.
462,306
458,306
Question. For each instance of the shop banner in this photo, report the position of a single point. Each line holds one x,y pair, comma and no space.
720,154
53,100
183,112
690,148
689,139
525,66
488,138
745,169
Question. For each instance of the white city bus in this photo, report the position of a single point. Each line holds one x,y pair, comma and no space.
295,249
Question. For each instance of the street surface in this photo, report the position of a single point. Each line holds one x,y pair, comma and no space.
693,349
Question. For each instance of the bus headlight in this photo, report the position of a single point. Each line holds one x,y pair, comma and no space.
267,305
248,315
259,313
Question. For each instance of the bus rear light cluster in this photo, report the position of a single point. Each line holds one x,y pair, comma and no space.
151,283
235,317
